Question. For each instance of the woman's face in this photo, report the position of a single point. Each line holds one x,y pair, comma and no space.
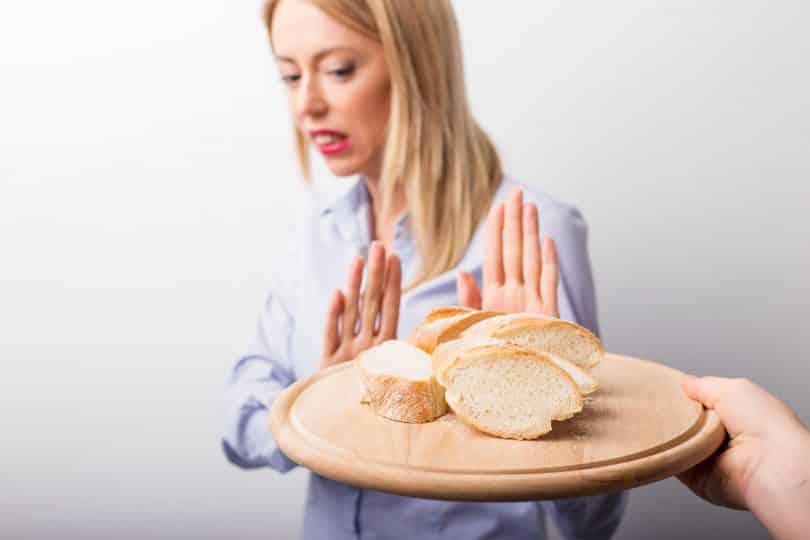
337,84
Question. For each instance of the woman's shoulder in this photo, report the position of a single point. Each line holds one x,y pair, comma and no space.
306,218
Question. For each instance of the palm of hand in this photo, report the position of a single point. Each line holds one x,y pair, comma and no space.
520,274
349,349
512,298
359,320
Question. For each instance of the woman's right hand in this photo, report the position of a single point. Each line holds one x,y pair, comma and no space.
355,321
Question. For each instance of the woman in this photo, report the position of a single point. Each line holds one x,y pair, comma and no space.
377,87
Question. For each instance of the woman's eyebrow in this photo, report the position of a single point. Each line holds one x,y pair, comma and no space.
320,54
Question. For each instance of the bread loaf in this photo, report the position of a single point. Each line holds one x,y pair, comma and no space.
399,383
504,390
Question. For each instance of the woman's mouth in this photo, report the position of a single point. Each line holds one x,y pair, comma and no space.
330,142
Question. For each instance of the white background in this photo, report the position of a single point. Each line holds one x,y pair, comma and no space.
145,169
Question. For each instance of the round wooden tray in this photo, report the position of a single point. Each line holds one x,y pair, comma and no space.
639,427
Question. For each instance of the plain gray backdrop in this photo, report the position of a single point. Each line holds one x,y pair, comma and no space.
146,166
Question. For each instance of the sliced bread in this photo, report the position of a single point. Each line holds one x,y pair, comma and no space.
566,340
445,324
445,352
507,391
398,382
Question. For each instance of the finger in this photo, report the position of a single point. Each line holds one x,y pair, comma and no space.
708,481
532,262
696,477
549,278
372,295
352,297
690,386
717,479
493,250
717,393
331,338
707,390
513,238
469,295
389,317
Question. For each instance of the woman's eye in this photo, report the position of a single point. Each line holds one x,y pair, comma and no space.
343,72
290,79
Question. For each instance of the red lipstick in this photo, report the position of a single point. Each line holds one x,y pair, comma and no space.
330,142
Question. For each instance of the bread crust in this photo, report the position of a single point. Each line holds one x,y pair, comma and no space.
505,326
445,311
403,400
431,333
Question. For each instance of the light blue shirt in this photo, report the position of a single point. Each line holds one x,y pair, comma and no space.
333,229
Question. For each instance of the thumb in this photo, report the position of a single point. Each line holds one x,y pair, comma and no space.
735,402
469,295
707,390
691,386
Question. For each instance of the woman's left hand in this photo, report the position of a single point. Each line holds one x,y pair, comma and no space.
520,275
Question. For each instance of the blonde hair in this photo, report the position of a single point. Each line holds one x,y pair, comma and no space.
447,166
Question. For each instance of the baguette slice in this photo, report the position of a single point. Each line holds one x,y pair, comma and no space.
445,324
399,383
566,340
507,391
446,352
586,382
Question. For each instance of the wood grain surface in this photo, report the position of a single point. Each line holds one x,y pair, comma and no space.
637,428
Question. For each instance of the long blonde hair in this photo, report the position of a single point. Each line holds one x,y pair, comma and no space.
447,166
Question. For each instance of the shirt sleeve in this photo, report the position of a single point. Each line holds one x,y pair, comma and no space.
596,517
255,381
576,295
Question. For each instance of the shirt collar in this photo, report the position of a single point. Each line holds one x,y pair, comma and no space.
343,199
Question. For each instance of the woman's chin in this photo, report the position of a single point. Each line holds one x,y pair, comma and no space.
348,166
342,170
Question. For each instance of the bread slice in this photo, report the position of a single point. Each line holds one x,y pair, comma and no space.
507,391
399,383
566,340
445,324
445,352
586,382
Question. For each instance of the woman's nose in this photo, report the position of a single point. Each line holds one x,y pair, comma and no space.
309,100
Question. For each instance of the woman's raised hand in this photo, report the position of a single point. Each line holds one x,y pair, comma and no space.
519,274
356,321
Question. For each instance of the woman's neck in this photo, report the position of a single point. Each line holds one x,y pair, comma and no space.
383,226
